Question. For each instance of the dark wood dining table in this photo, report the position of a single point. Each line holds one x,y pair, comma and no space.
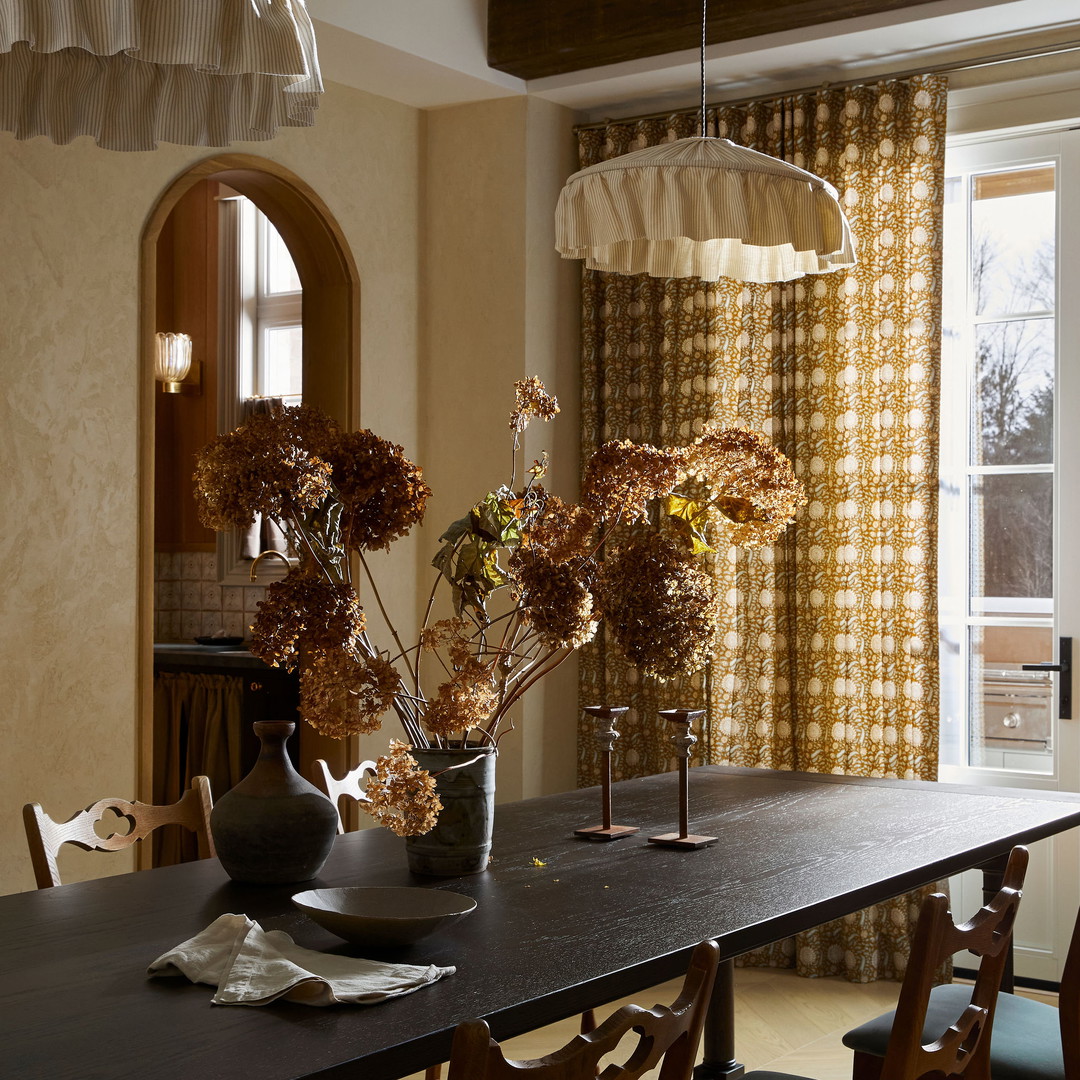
562,924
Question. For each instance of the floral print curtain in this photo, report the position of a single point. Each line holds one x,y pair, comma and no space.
827,661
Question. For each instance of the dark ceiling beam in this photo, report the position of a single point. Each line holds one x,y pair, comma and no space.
536,38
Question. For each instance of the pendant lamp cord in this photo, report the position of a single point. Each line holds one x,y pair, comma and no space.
704,19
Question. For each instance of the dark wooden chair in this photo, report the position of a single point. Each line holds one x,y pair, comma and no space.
351,785
957,1043
667,1037
1032,1040
45,837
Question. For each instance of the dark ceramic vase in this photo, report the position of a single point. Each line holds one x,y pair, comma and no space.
273,827
461,840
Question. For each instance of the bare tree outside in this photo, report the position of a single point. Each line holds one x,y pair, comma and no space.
1014,394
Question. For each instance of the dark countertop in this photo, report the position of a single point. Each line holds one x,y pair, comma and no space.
181,657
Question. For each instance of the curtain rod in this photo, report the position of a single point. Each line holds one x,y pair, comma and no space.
1034,53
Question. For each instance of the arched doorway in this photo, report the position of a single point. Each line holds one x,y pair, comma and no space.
331,350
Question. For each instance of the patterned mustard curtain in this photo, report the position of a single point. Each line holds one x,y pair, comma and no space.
827,662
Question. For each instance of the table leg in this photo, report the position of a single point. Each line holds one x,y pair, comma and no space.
719,1039
993,873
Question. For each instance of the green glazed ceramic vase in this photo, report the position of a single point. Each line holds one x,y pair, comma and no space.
460,843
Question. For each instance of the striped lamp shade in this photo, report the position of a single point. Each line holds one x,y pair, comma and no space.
132,72
702,207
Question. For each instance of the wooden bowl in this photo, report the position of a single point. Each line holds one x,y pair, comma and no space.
383,916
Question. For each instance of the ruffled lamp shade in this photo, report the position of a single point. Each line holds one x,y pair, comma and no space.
132,72
702,207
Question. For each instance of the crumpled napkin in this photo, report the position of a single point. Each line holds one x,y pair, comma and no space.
252,966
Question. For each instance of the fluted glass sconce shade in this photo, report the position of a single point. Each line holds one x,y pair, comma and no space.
702,207
173,361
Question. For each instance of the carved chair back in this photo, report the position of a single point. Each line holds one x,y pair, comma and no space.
45,836
666,1036
350,785
964,1049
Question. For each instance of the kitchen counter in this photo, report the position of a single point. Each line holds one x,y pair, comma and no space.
224,660
266,693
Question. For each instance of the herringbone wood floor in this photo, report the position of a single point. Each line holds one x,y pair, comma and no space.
782,1022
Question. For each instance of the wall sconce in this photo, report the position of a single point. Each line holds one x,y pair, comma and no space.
173,363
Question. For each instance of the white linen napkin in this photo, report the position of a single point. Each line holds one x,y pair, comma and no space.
252,966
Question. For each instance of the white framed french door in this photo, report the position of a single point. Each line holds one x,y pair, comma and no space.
1009,524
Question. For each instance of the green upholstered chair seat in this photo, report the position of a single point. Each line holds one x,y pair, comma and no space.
1025,1042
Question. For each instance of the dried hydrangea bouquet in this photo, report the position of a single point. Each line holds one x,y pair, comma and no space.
529,576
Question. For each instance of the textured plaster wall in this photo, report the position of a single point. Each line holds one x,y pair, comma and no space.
501,305
70,221
449,216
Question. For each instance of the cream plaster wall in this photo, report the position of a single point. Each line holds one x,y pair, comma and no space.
501,305
71,221
449,218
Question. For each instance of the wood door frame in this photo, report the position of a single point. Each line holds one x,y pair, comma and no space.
331,353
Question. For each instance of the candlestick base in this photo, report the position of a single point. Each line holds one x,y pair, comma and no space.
673,839
613,832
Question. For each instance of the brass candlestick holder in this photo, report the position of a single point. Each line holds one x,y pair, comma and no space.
683,740
605,731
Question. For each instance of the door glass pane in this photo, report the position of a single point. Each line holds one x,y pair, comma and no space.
1011,543
1011,710
282,362
1014,393
1012,224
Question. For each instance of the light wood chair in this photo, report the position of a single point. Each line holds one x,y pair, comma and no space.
351,785
1032,1040
667,1037
45,837
958,1042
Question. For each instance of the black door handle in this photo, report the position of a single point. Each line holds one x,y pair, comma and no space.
1064,666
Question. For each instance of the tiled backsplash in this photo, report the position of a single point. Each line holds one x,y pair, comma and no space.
189,602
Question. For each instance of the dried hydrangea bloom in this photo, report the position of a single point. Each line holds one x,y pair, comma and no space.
305,611
464,702
263,467
452,634
564,531
341,695
312,428
382,492
662,610
531,399
556,600
622,477
754,483
402,794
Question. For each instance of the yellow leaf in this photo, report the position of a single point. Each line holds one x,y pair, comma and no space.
538,862
690,517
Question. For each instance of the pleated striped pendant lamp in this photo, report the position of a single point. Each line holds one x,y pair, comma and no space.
129,73
702,207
